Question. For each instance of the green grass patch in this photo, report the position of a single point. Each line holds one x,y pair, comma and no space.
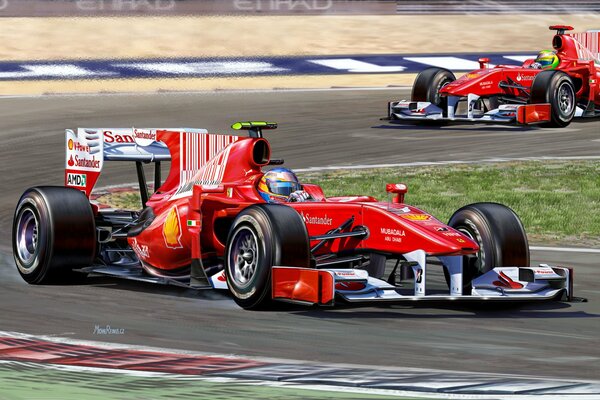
558,202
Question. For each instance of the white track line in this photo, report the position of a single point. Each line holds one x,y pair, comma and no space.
566,249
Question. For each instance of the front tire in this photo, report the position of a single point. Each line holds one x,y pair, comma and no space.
53,232
557,89
428,84
500,235
263,236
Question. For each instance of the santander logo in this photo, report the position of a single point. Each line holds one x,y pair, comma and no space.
144,137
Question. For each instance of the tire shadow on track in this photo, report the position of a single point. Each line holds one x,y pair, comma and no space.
459,128
545,309
512,311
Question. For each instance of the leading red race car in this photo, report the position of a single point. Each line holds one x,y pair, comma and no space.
207,226
560,85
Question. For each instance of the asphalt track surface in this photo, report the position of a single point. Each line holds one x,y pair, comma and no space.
317,128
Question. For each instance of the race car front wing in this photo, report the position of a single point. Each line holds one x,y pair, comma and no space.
415,111
513,284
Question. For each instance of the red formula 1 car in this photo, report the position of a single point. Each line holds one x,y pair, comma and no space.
206,226
532,93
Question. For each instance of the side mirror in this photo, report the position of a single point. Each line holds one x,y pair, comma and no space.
399,189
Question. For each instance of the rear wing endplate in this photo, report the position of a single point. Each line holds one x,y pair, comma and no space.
88,148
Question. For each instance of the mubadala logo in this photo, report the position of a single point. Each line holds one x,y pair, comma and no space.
77,180
392,232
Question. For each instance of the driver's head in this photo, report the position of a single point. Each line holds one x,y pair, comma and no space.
277,184
547,59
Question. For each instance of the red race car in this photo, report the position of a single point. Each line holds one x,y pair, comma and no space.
219,221
551,90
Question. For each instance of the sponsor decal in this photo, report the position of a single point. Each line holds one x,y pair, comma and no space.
83,159
308,219
144,137
360,274
77,180
459,240
172,229
523,77
142,251
451,234
416,217
393,232
83,162
472,75
419,275
194,223
111,137
230,192
544,271
393,235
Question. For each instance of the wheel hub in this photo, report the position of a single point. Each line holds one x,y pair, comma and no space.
243,256
27,236
566,98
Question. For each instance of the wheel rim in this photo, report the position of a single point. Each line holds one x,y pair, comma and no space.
566,98
480,254
243,256
27,236
438,97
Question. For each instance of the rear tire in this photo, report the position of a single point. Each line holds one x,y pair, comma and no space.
556,88
262,236
500,235
428,84
53,232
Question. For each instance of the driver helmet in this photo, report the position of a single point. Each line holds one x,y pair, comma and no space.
277,185
547,59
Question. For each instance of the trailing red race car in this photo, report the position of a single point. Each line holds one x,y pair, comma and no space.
219,221
551,90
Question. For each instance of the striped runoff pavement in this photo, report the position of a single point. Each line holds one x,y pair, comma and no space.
100,357
246,66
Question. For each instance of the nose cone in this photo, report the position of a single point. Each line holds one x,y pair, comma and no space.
471,82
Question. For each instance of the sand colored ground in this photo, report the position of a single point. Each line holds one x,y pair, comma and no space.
201,84
25,39
94,38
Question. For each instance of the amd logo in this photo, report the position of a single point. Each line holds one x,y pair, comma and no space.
282,5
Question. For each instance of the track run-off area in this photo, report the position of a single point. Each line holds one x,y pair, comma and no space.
317,129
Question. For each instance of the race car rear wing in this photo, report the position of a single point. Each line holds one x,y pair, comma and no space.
88,148
188,149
